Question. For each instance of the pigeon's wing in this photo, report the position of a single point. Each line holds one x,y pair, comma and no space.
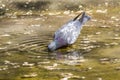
77,17
60,35
68,33
74,32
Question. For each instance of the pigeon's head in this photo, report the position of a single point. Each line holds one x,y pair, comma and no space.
84,18
52,46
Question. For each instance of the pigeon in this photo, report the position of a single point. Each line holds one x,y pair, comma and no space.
69,32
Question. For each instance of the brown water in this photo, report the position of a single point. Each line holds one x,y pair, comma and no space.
24,54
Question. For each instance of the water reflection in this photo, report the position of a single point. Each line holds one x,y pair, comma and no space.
69,58
29,50
68,55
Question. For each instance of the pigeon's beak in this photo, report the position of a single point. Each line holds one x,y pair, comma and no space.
52,46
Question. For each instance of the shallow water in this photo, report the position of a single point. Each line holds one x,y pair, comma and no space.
24,54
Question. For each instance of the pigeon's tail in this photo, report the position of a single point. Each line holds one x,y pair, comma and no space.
84,18
77,16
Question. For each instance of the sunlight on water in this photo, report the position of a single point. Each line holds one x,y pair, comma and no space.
24,40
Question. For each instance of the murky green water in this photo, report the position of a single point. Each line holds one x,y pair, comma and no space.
24,54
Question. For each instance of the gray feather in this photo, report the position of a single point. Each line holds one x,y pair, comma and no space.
68,33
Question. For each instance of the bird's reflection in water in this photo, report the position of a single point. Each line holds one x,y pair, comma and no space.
68,55
70,58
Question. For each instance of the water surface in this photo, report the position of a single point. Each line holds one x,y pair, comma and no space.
24,54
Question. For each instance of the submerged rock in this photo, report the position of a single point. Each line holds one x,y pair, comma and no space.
16,66
66,12
117,68
3,68
8,54
10,63
100,79
31,75
104,26
54,13
5,35
101,11
110,60
35,25
29,12
9,42
7,62
89,68
46,62
114,43
26,64
116,38
105,60
97,33
83,77
94,20
67,76
54,66
28,32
